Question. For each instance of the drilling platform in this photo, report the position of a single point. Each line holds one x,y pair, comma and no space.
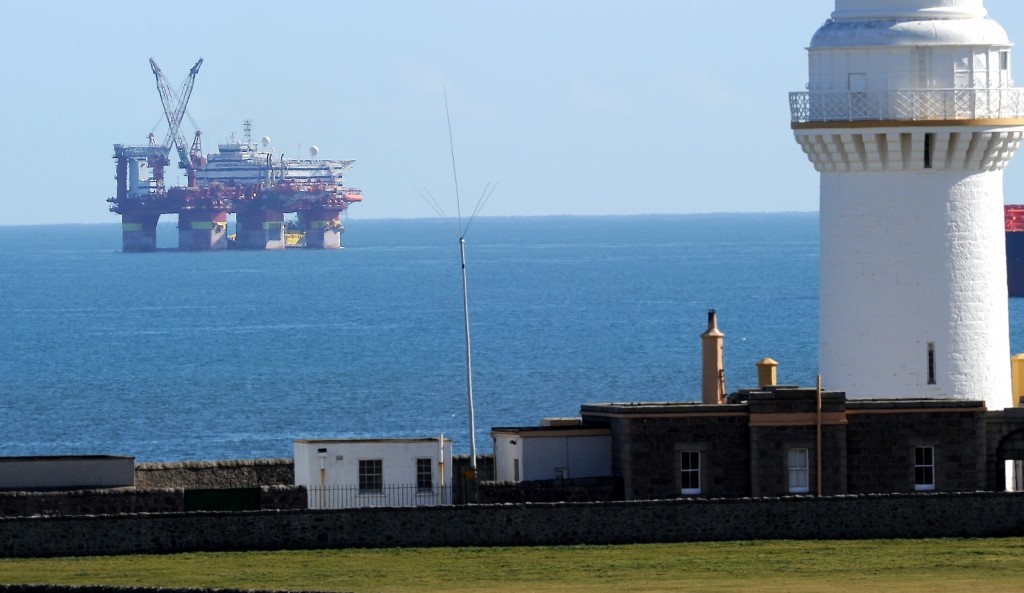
239,179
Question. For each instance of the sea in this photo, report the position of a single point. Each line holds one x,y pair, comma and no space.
173,356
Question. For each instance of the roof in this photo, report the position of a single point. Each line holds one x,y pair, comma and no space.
379,441
552,431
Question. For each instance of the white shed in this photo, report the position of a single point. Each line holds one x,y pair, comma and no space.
347,473
553,451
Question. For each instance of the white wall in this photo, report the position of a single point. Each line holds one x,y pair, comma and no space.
912,239
909,258
340,459
540,456
508,448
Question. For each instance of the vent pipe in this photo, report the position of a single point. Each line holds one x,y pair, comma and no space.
713,368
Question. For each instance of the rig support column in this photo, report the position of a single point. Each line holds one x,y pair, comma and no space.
259,229
202,230
323,229
138,231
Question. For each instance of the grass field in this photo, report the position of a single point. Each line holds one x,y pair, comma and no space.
939,565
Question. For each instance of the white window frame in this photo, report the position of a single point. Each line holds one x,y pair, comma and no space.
688,469
798,465
366,475
924,469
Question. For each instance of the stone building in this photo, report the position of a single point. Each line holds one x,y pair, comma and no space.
774,441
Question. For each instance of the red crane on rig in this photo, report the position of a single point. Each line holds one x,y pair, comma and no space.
175,112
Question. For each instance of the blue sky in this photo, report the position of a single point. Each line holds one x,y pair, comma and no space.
575,107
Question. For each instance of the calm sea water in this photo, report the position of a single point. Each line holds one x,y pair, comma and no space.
173,356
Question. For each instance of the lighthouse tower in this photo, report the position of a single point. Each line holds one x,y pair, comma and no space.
910,116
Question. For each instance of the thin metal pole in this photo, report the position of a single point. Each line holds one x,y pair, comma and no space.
819,436
469,361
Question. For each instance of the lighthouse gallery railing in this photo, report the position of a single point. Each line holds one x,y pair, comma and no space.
907,105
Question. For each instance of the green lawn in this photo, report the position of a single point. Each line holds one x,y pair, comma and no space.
975,565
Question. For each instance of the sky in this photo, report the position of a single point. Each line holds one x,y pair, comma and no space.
578,107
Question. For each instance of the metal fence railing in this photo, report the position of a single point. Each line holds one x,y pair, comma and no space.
907,105
389,495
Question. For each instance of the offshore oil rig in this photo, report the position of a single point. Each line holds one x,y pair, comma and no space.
240,179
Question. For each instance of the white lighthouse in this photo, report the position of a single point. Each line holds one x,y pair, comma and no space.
910,116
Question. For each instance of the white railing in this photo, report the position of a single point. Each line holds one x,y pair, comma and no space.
390,495
907,105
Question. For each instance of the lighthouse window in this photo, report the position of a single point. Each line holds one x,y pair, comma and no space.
1004,60
931,363
924,468
929,140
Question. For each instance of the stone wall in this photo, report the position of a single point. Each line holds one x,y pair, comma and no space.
573,490
463,490
646,449
115,502
1004,432
867,445
90,502
843,517
245,473
882,440
786,420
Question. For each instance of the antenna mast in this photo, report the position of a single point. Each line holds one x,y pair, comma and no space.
465,295
469,359
460,234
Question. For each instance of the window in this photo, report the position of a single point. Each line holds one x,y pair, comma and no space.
963,69
924,468
858,82
515,470
931,363
689,472
860,104
799,474
1004,60
371,476
424,474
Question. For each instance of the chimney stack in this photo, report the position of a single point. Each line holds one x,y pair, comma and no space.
713,368
767,373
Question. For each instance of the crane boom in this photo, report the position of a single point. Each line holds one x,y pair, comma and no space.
175,112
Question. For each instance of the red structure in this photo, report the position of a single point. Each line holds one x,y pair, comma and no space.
1014,214
239,179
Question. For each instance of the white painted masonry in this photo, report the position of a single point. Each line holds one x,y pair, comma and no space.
526,454
339,460
910,117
